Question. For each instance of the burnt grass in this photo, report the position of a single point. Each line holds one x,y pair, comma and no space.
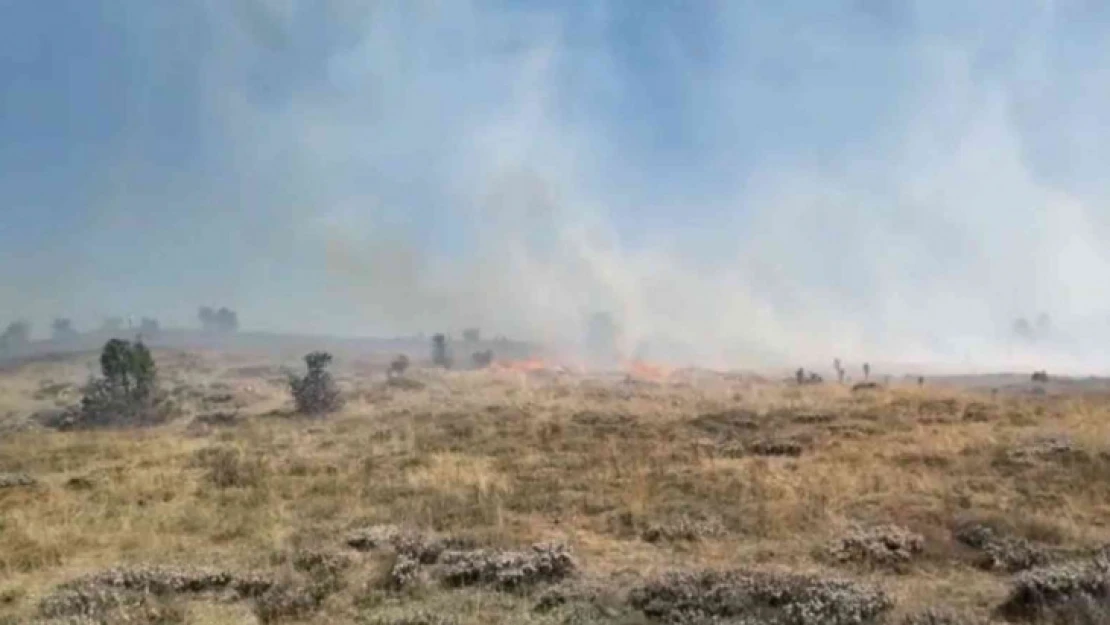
486,497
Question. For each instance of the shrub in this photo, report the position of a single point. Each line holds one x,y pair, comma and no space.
17,334
440,357
483,359
398,366
759,597
127,392
222,320
62,330
508,570
316,392
883,546
1077,592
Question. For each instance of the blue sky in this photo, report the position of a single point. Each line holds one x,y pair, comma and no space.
866,176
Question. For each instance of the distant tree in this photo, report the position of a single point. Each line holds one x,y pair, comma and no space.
149,326
1022,329
316,392
800,376
17,334
472,335
222,320
398,366
112,325
482,359
839,371
1044,324
440,355
62,330
227,320
866,371
207,317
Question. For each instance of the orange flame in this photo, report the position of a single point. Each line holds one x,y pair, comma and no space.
647,370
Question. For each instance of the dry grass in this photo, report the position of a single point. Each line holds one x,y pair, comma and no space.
507,460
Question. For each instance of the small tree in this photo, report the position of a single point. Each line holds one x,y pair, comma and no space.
472,335
62,330
126,394
482,359
17,334
149,326
440,357
316,392
112,325
222,320
398,366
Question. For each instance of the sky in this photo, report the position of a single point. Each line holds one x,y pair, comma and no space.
737,182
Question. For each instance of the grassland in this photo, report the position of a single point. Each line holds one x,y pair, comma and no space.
699,471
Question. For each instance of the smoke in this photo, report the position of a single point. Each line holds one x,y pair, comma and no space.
736,184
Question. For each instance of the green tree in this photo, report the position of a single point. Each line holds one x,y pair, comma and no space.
315,392
126,392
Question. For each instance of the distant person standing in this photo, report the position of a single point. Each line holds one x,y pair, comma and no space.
866,371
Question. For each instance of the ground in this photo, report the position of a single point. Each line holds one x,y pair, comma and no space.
636,477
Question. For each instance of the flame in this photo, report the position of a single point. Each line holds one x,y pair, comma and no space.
647,370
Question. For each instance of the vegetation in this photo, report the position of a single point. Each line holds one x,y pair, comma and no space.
17,334
398,366
149,327
127,391
482,359
440,356
62,330
223,320
504,497
316,392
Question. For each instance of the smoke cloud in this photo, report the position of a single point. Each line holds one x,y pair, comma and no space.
736,184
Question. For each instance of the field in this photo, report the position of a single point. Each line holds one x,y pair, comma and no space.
695,497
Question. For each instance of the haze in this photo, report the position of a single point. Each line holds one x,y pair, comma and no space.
738,183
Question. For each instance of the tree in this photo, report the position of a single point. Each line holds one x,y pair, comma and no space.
17,334
482,359
126,393
112,325
316,392
222,320
866,371
149,326
472,335
398,366
62,330
440,356
1022,329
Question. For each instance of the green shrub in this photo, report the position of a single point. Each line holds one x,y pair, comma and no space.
316,392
